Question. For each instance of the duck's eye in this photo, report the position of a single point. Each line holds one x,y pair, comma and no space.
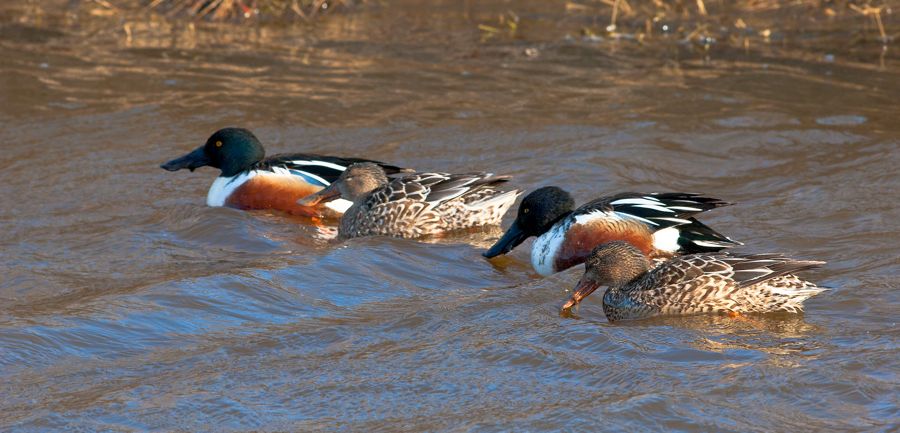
219,143
525,210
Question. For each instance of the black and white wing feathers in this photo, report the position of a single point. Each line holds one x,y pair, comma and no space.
660,211
319,169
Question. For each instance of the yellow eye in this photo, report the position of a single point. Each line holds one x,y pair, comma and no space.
525,210
218,144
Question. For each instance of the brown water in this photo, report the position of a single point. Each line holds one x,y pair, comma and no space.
128,305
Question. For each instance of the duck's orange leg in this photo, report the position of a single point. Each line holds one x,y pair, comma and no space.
744,318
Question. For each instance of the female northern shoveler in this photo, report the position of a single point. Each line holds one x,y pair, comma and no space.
249,180
659,224
692,284
416,204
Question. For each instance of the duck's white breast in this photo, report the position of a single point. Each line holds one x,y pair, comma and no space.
546,247
339,205
222,187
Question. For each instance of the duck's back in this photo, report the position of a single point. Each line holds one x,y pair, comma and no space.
377,215
423,204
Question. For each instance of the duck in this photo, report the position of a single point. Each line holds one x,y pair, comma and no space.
416,204
251,181
692,284
661,225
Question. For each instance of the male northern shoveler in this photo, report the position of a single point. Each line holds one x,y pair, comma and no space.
417,204
659,224
249,180
692,284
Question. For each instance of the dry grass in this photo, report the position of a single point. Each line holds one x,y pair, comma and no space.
638,19
224,10
227,9
705,20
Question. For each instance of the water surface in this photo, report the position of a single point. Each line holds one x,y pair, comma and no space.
127,305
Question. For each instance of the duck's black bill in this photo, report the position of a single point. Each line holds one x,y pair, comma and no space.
329,193
193,160
512,238
584,288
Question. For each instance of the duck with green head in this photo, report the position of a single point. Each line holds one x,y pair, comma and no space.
661,225
250,180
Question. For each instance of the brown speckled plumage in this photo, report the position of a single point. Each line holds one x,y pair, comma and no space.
693,284
419,204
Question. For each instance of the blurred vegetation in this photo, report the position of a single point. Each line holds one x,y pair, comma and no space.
223,10
735,14
699,21
702,21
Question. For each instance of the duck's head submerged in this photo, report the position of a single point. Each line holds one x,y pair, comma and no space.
356,182
612,264
537,213
231,150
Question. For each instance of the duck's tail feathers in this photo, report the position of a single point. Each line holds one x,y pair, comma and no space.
792,291
495,204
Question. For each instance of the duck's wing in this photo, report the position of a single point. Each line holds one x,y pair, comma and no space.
319,169
744,270
753,269
437,188
661,211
